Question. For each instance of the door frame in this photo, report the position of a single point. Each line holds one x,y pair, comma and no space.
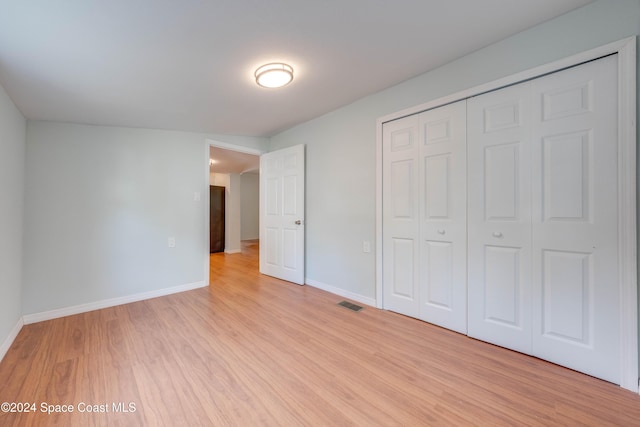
208,143
627,179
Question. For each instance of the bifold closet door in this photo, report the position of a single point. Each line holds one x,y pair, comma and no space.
576,295
443,217
499,174
424,216
401,225
543,218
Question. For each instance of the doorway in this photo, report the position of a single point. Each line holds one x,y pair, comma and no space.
233,175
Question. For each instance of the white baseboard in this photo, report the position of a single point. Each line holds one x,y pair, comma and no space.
341,292
11,338
232,251
83,308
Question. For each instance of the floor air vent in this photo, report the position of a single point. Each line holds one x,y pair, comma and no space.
350,306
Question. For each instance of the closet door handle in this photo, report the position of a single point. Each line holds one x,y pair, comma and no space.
441,231
497,234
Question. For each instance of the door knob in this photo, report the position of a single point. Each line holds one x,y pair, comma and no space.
298,222
497,234
440,231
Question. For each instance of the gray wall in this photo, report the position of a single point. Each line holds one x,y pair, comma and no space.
101,203
232,220
249,206
341,156
12,165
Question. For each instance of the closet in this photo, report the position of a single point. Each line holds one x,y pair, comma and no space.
500,217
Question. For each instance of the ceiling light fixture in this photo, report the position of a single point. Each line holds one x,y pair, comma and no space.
272,75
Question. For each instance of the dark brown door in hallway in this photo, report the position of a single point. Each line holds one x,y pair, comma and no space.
216,226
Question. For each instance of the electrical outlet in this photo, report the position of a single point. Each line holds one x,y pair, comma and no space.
366,246
172,242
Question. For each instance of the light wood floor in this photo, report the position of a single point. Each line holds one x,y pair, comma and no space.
252,350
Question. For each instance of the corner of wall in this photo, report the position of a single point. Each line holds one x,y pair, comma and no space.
13,129
4,348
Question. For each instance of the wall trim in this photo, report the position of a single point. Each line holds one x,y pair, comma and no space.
112,302
11,338
232,251
227,146
627,237
341,292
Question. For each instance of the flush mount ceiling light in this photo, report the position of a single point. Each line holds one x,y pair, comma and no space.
275,74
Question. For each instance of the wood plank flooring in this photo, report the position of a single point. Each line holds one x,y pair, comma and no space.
251,350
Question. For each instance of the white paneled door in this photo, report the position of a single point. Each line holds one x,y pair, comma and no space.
443,217
400,215
501,217
576,292
499,130
543,218
424,217
282,203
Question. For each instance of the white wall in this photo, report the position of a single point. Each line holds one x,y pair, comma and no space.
12,167
340,153
219,179
255,143
233,214
101,203
249,206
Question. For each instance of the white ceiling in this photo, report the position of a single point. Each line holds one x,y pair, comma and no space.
188,64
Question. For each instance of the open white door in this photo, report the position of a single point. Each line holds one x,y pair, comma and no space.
282,214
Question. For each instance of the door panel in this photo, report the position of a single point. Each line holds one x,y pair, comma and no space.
400,216
270,240
438,274
437,177
282,214
575,219
402,177
501,293
502,115
403,277
499,178
567,296
566,170
271,203
443,216
289,248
